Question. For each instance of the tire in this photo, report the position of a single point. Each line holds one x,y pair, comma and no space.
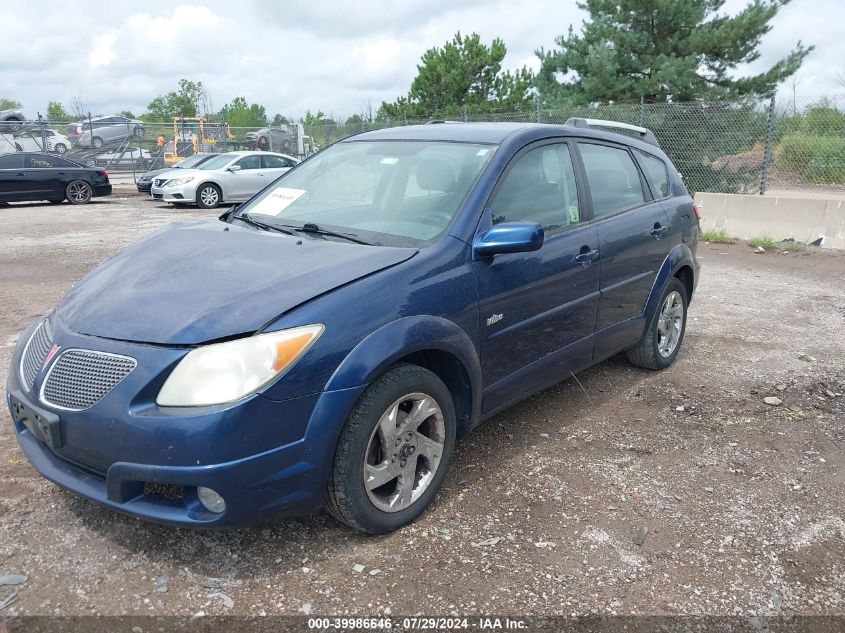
654,351
78,192
209,196
263,143
60,148
138,132
18,147
96,142
369,445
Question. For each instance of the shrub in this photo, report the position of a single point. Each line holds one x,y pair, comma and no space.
816,158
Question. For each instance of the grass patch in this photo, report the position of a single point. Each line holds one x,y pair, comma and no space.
771,244
718,237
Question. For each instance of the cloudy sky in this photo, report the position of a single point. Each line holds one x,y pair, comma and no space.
295,56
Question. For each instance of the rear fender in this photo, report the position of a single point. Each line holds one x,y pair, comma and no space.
679,256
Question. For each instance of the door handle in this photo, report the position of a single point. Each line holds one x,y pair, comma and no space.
658,231
587,257
20,173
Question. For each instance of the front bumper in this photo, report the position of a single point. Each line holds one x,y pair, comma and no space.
266,458
181,194
144,186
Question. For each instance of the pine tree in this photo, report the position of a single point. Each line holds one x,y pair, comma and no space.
660,50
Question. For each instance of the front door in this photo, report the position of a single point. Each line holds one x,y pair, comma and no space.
632,229
538,309
13,178
241,184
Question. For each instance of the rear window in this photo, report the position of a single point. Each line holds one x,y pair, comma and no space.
613,177
655,171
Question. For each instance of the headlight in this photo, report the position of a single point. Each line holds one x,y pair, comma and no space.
178,181
224,372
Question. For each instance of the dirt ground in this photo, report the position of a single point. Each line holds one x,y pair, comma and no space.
678,492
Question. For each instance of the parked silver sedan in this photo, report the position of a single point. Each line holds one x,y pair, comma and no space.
229,177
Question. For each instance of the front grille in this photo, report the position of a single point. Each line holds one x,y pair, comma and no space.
36,351
158,182
80,378
158,196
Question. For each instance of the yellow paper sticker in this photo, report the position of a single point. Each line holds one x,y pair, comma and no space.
573,214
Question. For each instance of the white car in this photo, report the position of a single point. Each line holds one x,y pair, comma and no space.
29,140
229,177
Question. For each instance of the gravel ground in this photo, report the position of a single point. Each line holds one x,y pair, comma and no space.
679,492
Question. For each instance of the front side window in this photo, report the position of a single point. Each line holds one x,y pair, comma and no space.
218,162
539,187
655,170
613,178
392,193
11,161
249,162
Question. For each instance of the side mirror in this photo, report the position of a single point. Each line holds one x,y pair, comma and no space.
509,237
234,168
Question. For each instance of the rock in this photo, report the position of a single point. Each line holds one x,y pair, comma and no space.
13,579
198,614
137,629
544,544
773,401
211,583
708,488
780,387
680,409
226,600
806,358
306,608
489,541
162,583
759,249
829,393
358,568
640,536
795,408
375,572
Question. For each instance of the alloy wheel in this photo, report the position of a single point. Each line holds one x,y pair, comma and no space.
670,323
404,452
209,196
79,192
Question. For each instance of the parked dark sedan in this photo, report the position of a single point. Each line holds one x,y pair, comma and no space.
28,176
145,182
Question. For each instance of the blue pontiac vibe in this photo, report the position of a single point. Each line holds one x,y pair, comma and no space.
324,344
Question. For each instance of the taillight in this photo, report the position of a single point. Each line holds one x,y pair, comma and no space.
697,215
106,174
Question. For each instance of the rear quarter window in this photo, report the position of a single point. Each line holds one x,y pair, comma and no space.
656,173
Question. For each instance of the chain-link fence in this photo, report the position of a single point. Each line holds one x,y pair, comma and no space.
782,146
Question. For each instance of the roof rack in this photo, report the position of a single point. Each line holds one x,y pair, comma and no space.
644,134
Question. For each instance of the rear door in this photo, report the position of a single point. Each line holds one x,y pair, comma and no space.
631,230
46,175
538,309
274,166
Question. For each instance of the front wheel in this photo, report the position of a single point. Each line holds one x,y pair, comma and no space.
393,451
209,196
60,148
96,142
662,342
78,192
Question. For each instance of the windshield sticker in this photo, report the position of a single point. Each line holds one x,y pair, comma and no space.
277,201
573,214
482,152
389,160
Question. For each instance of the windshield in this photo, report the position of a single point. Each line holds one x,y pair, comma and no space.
392,193
190,162
218,162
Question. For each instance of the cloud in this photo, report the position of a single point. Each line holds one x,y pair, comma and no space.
317,55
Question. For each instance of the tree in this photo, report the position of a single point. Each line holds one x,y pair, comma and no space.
660,50
184,102
127,113
56,112
9,104
239,113
279,120
463,75
78,106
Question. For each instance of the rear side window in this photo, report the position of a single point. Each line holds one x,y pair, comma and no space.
655,171
276,162
613,177
11,161
539,187
46,161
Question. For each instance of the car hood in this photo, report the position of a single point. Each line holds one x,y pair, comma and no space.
201,281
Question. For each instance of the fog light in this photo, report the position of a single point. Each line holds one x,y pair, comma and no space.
210,500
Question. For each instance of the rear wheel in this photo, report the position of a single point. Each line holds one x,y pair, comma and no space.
209,196
662,342
138,132
60,148
263,143
96,142
393,451
78,192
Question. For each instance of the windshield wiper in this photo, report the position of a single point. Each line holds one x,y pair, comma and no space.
245,217
313,229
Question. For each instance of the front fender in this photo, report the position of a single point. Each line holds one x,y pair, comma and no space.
373,355
678,257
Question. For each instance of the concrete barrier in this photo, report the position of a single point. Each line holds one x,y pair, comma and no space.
780,217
